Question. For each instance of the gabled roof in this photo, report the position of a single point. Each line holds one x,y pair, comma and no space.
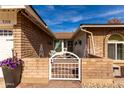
30,10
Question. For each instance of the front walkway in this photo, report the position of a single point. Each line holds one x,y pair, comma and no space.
53,84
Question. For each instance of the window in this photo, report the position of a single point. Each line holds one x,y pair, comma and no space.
5,33
116,47
10,33
1,32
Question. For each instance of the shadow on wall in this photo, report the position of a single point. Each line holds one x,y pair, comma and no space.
93,56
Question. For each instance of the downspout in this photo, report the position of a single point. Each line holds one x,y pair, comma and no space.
92,39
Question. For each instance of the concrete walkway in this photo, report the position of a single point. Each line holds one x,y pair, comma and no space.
53,84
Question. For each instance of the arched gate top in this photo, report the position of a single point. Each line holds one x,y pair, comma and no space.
64,54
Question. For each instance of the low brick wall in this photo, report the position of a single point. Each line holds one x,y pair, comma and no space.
94,71
35,70
97,70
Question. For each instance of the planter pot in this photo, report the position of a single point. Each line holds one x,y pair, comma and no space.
12,77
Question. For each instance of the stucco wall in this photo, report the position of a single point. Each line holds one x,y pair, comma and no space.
78,49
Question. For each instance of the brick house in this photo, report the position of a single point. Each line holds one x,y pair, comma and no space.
100,41
105,41
97,47
24,31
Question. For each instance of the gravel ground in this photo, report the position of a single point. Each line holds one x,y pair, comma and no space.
117,83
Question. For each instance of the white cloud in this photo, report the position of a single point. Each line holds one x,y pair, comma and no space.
61,19
74,16
70,29
105,14
51,7
109,13
53,22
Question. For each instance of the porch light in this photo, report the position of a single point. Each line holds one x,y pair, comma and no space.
80,42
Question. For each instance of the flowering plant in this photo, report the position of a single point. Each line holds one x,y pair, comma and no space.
11,63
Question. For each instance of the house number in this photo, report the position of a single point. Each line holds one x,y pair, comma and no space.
5,21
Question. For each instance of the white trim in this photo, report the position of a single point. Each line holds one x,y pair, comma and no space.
116,51
64,78
12,6
65,63
102,25
79,69
92,39
65,58
50,69
64,52
62,45
117,42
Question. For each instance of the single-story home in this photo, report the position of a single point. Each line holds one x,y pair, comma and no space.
94,52
23,30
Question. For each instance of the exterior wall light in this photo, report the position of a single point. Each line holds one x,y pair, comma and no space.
80,42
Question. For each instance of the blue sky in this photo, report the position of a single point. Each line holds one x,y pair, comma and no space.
67,18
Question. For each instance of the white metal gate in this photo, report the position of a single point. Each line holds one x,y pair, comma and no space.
64,66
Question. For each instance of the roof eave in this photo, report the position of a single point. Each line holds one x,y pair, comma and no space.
103,25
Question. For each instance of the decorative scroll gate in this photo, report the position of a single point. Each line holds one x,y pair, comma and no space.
64,66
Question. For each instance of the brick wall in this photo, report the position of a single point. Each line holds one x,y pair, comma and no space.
100,38
97,70
28,38
35,70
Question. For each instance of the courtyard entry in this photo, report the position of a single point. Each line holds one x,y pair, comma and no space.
64,65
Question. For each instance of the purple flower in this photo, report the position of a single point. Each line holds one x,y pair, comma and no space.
13,65
9,63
